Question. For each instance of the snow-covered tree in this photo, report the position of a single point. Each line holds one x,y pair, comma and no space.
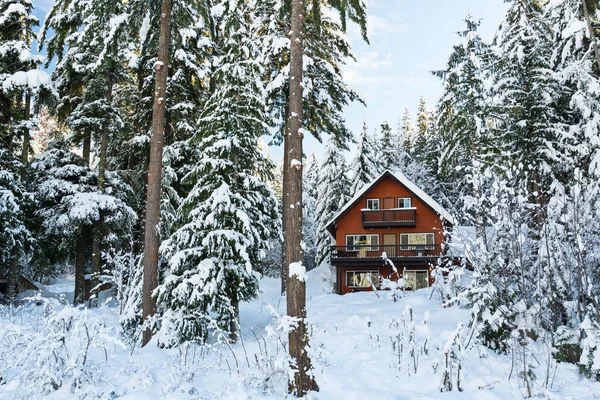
388,145
331,197
463,122
365,166
67,204
310,187
229,215
14,234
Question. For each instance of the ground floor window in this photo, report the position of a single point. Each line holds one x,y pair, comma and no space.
362,279
416,279
362,240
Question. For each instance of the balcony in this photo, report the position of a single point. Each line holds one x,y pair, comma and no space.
365,254
389,218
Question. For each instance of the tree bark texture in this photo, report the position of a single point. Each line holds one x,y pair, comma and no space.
285,204
26,138
588,21
12,284
80,249
151,242
96,250
14,270
302,381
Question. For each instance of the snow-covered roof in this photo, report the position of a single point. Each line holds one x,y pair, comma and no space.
400,177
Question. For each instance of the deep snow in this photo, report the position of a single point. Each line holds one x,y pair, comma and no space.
354,346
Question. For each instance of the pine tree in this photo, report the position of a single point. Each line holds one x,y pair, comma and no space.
230,214
365,166
389,148
14,233
67,205
332,195
407,133
466,142
310,183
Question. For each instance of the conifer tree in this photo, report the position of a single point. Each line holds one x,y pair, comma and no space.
310,184
407,132
365,166
332,195
230,214
389,148
463,121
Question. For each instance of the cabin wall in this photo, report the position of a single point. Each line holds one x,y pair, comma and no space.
384,273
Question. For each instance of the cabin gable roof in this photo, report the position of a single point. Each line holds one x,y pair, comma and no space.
403,181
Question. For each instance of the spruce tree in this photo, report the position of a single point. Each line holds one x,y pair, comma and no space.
463,121
230,214
332,195
310,183
389,148
365,166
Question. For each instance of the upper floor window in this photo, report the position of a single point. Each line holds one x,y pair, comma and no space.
373,204
404,202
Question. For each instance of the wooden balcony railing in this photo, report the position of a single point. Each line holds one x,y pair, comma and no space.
341,253
385,218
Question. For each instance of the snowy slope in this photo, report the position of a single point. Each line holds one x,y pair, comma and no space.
355,341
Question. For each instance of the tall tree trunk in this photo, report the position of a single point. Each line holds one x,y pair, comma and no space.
302,381
26,138
285,203
151,242
234,319
12,284
588,21
80,247
87,148
96,250
13,267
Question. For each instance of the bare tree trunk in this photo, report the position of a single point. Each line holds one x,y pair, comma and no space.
80,247
591,32
302,381
151,242
96,250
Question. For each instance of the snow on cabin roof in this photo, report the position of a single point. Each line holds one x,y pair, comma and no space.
400,177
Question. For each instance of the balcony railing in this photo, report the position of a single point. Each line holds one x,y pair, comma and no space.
394,217
341,253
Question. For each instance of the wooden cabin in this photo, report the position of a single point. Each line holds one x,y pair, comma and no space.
394,216
23,284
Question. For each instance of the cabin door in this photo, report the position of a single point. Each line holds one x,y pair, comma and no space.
389,243
388,203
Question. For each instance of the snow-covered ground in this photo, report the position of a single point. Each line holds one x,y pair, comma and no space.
361,349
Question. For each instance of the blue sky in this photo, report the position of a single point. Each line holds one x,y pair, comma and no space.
409,38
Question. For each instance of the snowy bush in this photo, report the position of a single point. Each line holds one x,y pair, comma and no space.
57,352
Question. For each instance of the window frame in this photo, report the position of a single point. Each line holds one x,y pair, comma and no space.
415,271
371,272
425,246
353,246
378,204
404,205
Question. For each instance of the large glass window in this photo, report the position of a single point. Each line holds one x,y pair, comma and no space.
404,202
417,241
373,204
416,279
362,240
362,279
